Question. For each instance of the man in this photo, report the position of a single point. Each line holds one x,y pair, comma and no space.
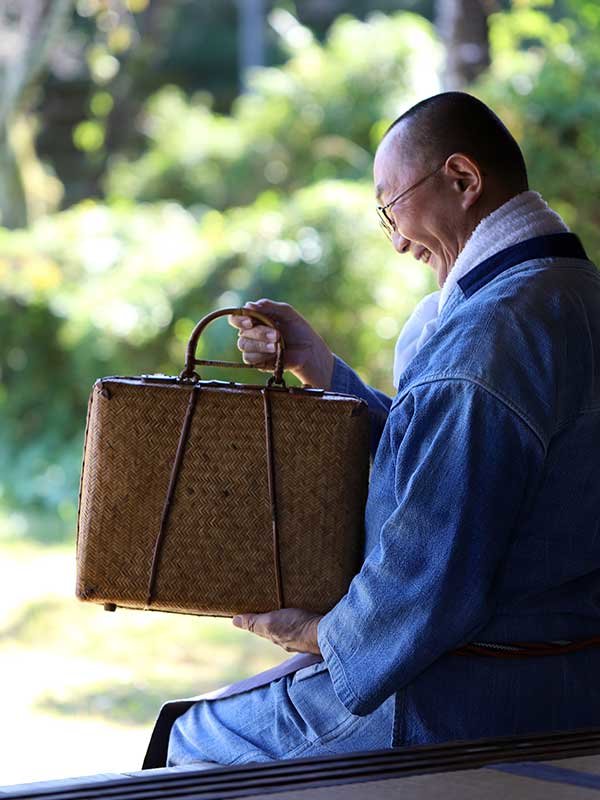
477,604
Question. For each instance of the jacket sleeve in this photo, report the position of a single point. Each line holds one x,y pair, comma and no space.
344,379
462,464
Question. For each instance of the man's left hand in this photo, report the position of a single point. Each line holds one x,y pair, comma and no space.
291,628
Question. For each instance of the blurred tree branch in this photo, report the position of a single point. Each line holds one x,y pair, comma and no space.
28,30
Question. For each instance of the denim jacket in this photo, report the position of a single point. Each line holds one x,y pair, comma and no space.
483,515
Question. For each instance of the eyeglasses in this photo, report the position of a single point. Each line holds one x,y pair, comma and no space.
386,220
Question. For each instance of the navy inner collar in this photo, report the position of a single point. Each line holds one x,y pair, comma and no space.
553,245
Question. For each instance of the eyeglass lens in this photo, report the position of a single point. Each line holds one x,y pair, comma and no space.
385,222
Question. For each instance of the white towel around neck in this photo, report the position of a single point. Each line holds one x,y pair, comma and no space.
522,217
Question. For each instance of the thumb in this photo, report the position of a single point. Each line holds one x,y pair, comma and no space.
242,620
279,312
264,307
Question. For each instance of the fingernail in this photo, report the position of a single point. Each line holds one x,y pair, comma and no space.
272,335
270,347
237,621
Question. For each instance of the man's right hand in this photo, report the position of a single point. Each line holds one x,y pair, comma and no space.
306,354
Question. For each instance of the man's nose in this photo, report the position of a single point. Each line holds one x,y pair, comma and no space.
400,242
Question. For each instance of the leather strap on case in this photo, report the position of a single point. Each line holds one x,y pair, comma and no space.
272,496
183,439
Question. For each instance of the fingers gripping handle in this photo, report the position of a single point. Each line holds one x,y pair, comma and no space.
191,361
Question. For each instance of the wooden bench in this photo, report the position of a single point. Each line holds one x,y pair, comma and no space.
543,767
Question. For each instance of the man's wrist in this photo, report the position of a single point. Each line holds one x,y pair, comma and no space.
319,371
312,635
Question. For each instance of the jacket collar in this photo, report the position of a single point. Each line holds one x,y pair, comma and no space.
554,245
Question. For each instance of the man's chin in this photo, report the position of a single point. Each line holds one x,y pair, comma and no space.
440,269
437,265
432,262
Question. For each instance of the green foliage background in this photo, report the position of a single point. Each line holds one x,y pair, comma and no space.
270,200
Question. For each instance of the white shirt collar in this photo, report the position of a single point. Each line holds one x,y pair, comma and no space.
524,216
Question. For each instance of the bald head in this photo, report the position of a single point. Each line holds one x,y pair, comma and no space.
456,122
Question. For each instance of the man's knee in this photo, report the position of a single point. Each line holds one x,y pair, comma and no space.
182,748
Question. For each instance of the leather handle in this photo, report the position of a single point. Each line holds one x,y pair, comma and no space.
189,373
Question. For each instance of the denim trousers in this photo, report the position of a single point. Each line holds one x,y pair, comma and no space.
296,716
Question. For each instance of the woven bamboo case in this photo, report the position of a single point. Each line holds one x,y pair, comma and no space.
215,498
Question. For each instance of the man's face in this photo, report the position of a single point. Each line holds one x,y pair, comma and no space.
425,218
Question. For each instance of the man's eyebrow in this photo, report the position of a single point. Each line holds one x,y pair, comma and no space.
379,191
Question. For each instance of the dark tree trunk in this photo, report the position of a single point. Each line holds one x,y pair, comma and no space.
35,26
13,204
251,37
463,27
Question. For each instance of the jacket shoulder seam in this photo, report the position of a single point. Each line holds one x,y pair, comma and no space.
502,398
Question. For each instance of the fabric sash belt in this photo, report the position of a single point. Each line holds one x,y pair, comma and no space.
525,649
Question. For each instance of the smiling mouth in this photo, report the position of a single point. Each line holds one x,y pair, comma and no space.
422,255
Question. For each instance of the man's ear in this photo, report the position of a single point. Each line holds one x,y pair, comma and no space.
466,178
